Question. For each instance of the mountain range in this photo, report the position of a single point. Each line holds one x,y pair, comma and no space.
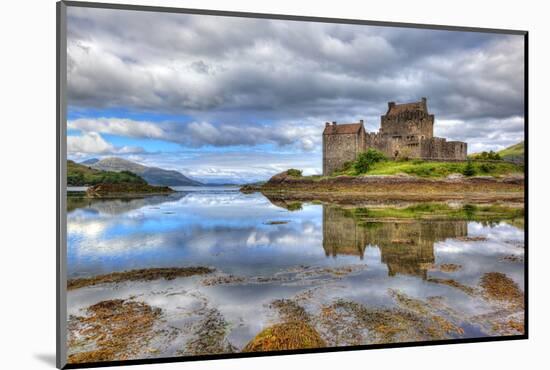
153,175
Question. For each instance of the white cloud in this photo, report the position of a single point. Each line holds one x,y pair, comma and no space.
93,143
305,135
118,126
90,142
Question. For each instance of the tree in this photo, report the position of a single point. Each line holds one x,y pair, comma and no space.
469,170
294,172
365,160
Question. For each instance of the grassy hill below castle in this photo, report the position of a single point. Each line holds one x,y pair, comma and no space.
434,169
373,162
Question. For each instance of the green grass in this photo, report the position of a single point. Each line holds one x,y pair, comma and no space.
513,152
80,175
436,169
440,211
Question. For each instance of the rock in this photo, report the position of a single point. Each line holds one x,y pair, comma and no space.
279,178
455,177
285,178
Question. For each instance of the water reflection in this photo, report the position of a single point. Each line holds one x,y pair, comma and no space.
245,234
119,205
319,256
406,247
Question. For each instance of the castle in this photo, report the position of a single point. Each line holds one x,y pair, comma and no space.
406,131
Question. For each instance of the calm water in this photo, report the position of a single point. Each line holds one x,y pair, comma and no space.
314,254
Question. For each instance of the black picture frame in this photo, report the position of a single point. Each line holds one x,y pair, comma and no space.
61,172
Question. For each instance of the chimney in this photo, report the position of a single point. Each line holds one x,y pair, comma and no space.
334,123
327,124
391,104
361,121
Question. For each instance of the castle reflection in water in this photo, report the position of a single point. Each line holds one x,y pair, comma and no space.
406,246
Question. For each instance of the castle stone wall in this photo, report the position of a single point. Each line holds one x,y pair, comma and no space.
408,125
440,148
339,149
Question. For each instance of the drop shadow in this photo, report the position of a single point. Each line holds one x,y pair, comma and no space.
46,358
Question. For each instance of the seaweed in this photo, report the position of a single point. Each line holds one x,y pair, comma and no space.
168,273
113,330
285,336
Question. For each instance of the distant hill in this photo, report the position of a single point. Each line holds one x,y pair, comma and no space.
90,161
153,175
514,152
82,175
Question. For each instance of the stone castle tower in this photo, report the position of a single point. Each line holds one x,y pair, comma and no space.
406,130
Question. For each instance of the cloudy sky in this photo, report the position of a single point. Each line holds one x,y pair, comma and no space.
233,99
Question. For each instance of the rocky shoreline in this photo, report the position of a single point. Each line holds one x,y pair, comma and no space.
353,189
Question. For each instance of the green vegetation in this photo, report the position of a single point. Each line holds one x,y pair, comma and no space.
469,170
80,175
490,155
294,172
441,211
514,152
294,206
434,169
367,159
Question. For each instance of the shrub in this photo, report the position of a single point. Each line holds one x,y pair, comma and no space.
294,172
469,211
469,170
295,206
487,168
491,155
367,159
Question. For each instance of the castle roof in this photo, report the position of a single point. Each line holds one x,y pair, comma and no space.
342,128
396,109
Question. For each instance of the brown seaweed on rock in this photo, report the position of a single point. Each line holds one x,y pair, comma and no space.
285,336
113,330
497,286
168,273
296,330
210,335
455,284
351,323
289,310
